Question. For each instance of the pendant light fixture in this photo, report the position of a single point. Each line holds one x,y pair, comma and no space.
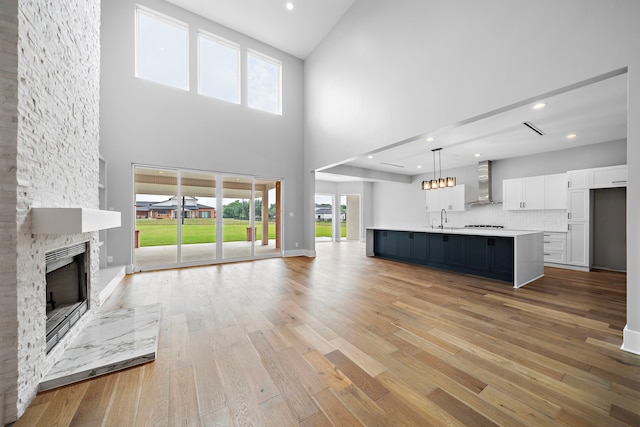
440,182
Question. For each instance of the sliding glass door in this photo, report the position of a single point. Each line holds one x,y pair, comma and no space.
238,226
198,219
185,217
156,217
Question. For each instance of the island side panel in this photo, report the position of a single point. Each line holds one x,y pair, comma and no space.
528,259
369,242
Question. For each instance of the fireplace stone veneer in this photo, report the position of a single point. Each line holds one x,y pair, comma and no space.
50,63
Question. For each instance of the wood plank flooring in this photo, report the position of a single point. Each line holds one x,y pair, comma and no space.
346,340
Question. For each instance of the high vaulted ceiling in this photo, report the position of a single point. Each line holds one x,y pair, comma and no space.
596,111
297,31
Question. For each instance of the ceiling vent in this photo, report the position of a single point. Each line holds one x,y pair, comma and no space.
391,164
533,128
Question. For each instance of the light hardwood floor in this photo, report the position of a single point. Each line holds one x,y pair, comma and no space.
347,340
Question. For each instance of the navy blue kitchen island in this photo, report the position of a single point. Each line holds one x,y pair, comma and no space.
508,255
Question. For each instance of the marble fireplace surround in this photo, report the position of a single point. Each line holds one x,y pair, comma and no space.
97,342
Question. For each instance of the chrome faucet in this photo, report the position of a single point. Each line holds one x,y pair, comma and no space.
443,218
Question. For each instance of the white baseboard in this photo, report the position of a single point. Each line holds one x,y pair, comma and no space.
299,252
567,266
630,340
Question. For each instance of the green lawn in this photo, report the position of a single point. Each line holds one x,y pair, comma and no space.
160,232
323,229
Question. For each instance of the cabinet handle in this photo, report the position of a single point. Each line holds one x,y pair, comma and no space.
568,215
547,254
546,241
618,182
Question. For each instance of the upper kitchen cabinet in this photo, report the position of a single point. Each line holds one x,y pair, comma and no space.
613,176
448,198
523,193
555,191
605,177
535,192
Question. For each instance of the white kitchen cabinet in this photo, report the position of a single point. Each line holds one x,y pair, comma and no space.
578,244
579,179
604,177
578,201
523,193
448,198
433,200
608,177
555,191
555,247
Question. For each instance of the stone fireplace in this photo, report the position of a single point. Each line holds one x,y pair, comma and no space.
49,157
67,277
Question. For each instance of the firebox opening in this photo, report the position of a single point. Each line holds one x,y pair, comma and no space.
66,290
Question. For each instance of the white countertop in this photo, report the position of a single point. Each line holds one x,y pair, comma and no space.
496,232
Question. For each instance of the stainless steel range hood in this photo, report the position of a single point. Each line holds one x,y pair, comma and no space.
484,184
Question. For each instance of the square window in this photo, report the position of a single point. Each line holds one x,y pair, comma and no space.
161,49
263,83
218,68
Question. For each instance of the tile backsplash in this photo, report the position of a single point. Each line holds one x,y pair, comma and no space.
542,220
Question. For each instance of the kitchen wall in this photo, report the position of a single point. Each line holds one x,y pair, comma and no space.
402,204
151,124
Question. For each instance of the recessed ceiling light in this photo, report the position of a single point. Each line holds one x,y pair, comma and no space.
419,166
477,155
539,106
369,157
571,136
430,139
289,5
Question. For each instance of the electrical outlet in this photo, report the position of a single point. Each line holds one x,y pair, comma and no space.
109,259
296,244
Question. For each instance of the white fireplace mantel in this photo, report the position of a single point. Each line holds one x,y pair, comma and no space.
72,220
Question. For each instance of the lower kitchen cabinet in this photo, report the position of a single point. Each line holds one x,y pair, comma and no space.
384,243
491,257
578,244
401,245
502,259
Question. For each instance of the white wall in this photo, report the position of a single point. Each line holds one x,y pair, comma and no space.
144,122
393,70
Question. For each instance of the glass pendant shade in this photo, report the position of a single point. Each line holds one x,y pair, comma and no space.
433,184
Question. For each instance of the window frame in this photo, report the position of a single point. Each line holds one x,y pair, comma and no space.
139,9
273,61
227,43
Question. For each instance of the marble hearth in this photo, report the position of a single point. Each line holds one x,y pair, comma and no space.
112,341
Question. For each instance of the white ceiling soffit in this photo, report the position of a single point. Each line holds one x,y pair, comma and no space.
595,112
297,31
